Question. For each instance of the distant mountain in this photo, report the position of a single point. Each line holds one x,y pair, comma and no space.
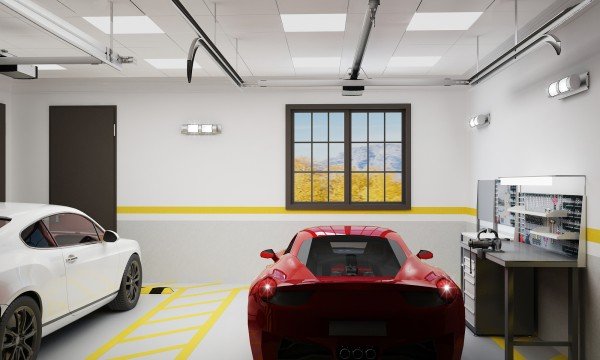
376,156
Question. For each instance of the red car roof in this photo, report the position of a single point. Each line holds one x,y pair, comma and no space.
318,231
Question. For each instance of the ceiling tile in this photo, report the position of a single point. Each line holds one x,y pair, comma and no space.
315,44
386,7
144,41
172,24
167,8
431,37
243,7
313,6
238,25
101,8
454,5
421,50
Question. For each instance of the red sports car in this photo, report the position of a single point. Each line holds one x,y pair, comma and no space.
353,292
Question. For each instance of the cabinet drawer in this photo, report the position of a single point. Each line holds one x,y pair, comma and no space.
470,278
469,303
470,288
468,264
470,317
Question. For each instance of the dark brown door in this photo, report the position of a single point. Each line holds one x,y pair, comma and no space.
83,163
2,152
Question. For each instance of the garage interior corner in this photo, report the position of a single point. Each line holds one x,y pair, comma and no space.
299,179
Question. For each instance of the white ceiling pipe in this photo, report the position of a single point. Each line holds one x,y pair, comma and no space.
16,60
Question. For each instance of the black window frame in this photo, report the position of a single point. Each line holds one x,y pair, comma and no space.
347,109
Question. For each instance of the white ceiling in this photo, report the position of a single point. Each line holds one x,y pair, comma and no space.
264,48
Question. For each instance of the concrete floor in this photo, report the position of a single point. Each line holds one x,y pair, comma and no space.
206,322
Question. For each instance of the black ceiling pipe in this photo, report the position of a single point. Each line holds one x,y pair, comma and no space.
209,46
368,24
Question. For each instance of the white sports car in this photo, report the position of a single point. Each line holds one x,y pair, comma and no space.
56,266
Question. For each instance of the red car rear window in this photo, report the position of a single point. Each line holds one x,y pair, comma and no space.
350,255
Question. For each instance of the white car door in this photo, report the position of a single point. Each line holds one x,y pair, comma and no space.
45,261
89,262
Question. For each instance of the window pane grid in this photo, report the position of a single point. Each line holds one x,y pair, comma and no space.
316,174
360,165
375,143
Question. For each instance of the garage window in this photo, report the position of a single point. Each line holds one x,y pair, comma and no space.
348,157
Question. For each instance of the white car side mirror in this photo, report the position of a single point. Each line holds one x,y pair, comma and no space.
110,236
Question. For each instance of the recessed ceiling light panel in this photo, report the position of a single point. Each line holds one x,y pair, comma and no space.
313,22
125,24
50,67
316,62
443,21
170,63
413,61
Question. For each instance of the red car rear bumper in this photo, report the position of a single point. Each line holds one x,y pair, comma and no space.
383,319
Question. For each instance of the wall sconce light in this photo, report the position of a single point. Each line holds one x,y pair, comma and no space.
569,86
480,121
200,129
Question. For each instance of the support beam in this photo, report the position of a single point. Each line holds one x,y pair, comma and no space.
61,29
16,60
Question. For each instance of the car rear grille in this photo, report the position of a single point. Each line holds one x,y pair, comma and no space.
423,299
293,350
291,298
417,351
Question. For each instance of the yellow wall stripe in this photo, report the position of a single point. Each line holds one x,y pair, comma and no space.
593,235
209,210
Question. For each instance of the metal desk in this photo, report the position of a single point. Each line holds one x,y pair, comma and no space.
520,255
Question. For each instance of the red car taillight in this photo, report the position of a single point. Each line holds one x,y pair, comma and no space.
266,288
447,289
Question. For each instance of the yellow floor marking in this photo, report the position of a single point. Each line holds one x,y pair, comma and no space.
149,352
194,304
500,342
206,293
158,334
203,285
180,317
121,336
191,346
559,357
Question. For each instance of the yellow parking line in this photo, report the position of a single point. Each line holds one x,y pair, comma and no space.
206,293
149,352
559,357
162,333
180,317
500,342
121,336
193,304
191,346
203,285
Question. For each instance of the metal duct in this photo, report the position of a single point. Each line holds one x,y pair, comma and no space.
368,24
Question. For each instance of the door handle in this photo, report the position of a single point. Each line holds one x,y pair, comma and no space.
71,259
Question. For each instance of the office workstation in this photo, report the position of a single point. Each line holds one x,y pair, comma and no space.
523,224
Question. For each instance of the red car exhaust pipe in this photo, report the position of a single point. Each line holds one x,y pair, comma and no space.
370,354
357,354
344,354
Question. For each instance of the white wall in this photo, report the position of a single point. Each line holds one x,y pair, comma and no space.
245,166
531,134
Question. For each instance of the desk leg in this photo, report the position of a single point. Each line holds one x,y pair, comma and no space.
509,312
574,313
